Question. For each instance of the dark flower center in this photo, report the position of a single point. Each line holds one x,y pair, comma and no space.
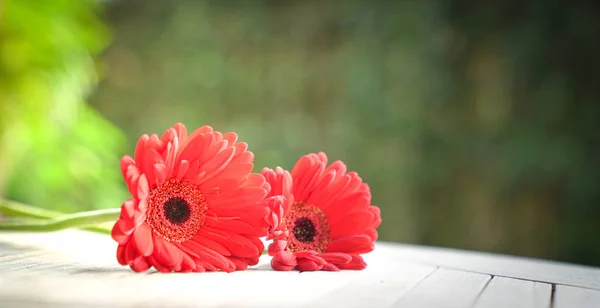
307,228
304,230
177,211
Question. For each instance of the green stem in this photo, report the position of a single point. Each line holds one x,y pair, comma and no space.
17,209
13,208
77,220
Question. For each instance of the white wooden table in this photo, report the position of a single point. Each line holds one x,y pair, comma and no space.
79,269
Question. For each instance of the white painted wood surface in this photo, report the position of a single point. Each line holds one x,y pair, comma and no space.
446,289
566,297
504,292
79,269
500,265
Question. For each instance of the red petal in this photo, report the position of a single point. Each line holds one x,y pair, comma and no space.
336,257
276,212
208,255
194,147
300,169
156,143
215,165
317,259
210,244
187,264
304,254
256,180
330,267
132,178
143,239
128,208
357,263
126,161
233,176
215,147
121,231
350,203
140,264
352,244
235,198
306,265
192,170
284,261
305,174
207,266
161,173
170,155
253,260
277,182
199,267
287,184
337,188
231,137
121,254
151,158
167,254
252,214
233,225
238,245
130,253
182,169
356,183
139,215
353,223
142,189
338,166
372,233
276,246
140,148
158,265
376,212
240,264
178,131
260,246
240,147
320,188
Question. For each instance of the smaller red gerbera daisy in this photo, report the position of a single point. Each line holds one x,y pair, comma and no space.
321,217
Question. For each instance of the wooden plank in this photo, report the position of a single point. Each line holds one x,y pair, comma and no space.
74,269
79,268
121,287
445,289
500,265
514,293
573,297
379,286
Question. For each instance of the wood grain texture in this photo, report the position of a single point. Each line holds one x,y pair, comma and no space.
79,269
571,297
380,286
494,264
514,293
445,289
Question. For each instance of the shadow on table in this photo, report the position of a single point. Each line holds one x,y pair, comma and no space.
10,249
97,270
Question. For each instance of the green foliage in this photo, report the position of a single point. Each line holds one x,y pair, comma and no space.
54,149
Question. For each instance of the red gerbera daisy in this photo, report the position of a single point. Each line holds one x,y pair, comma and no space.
321,217
196,205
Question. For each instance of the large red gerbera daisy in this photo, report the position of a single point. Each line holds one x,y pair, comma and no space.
196,205
321,217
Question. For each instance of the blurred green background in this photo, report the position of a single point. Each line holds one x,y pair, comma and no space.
476,125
